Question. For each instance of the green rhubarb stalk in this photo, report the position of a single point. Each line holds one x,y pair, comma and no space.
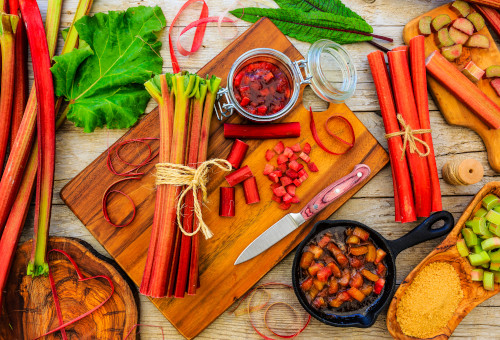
189,222
213,85
8,26
160,88
183,86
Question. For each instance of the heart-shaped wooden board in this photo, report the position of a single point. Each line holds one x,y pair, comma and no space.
29,309
452,109
474,293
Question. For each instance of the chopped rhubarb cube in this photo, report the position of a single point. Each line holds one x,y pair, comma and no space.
275,185
268,76
303,178
300,167
268,168
287,198
312,167
302,172
285,181
495,83
279,148
324,273
262,109
295,200
269,155
291,189
307,148
304,157
292,174
296,148
237,79
245,101
282,167
293,158
294,165
282,159
297,182
285,206
279,191
288,152
276,199
273,176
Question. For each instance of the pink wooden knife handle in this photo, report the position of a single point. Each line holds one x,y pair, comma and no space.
335,190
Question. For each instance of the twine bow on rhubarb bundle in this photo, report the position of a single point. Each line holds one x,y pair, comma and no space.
409,138
190,179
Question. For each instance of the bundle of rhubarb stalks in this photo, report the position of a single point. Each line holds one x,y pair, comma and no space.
32,155
403,92
186,103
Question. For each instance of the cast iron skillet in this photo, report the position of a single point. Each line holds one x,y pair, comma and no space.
366,317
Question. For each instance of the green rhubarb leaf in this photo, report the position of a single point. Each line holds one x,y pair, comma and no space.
309,26
103,80
330,6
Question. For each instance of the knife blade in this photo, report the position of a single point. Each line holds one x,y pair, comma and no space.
292,221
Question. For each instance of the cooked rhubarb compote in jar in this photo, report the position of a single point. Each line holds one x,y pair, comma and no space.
262,88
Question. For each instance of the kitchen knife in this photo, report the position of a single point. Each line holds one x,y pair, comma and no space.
292,221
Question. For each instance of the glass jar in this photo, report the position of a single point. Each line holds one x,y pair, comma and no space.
328,69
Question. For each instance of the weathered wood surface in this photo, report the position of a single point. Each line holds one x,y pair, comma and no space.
372,205
29,305
221,282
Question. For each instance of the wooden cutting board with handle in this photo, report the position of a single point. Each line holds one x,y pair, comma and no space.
452,109
221,282
474,293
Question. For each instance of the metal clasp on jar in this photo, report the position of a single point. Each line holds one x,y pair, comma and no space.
226,109
302,64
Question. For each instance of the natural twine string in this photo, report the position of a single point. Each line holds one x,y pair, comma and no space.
192,179
409,138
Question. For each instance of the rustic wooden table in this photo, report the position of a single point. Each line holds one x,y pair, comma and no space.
372,205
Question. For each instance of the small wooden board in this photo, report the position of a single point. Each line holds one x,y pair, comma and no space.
29,309
221,282
474,293
452,109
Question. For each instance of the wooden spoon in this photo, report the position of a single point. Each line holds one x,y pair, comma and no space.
474,293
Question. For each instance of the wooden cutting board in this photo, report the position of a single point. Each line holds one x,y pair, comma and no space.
221,282
454,111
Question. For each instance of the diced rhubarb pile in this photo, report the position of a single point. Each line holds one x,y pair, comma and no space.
289,172
453,35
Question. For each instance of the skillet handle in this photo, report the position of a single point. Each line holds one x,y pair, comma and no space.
424,232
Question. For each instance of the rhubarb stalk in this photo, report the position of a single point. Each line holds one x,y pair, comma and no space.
463,89
405,104
403,193
8,26
268,131
46,133
492,16
489,3
21,72
419,78
213,84
192,161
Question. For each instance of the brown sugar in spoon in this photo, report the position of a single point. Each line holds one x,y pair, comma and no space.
474,293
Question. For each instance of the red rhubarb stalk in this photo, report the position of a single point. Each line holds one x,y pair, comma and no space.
489,3
401,177
21,71
405,104
237,153
251,190
46,133
213,87
463,89
227,202
188,221
268,131
419,78
239,176
8,27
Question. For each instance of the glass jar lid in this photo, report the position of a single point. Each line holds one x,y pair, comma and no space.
331,71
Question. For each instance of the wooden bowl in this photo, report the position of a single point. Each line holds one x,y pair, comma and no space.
474,293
